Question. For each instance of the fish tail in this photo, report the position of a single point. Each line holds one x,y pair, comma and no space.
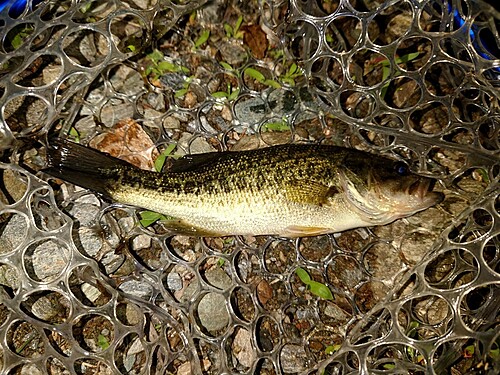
82,165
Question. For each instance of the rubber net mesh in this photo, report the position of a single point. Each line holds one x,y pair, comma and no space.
86,289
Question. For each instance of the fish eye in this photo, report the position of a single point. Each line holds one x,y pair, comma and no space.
401,168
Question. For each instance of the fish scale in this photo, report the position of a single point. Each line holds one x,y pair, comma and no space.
287,190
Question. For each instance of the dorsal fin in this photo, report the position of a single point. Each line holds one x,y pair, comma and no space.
193,162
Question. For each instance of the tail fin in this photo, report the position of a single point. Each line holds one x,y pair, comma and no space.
82,166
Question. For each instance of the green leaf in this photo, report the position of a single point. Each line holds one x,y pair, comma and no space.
412,330
148,70
276,126
330,349
303,275
411,352
469,350
180,93
494,353
272,83
483,174
167,66
202,38
220,94
74,133
292,70
237,25
18,39
288,80
255,74
386,71
233,94
385,74
155,56
149,217
228,29
160,160
384,62
225,65
85,8
320,290
389,366
102,342
131,48
406,58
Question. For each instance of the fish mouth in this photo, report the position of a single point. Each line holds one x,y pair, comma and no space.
421,188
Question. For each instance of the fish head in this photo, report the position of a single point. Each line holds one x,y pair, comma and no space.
381,190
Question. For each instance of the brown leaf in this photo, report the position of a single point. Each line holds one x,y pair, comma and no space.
127,141
255,39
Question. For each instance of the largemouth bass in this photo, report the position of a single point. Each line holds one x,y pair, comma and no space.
287,190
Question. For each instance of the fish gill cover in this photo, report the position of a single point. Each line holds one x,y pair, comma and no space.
92,287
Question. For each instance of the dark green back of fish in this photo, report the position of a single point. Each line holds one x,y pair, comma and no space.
201,173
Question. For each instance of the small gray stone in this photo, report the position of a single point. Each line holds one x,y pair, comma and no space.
142,241
136,288
13,234
218,278
51,73
49,259
212,13
196,146
111,113
174,281
293,359
9,276
171,122
90,240
335,312
91,292
212,312
85,213
233,53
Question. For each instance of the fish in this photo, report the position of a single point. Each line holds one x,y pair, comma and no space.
291,190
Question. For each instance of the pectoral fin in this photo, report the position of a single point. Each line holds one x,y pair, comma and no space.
183,228
310,192
299,231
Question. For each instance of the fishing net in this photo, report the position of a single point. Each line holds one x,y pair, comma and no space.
93,287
